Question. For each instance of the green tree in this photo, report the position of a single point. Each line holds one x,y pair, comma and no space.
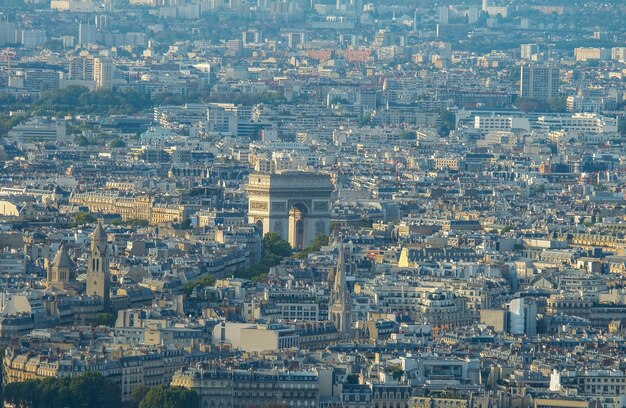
261,277
558,105
90,389
621,125
78,99
365,223
532,105
84,218
318,242
204,281
21,393
448,122
273,244
397,373
352,379
138,394
117,143
137,222
93,390
82,141
172,397
275,249
104,319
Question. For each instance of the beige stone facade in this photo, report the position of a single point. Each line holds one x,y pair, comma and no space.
295,205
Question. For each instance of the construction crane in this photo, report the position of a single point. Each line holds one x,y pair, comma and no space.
10,53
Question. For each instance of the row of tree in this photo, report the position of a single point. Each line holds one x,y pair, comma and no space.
77,99
93,390
318,242
163,397
87,390
274,250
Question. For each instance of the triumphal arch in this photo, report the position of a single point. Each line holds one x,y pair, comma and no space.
294,204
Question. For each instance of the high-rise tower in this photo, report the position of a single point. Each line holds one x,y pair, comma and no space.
540,82
98,275
340,303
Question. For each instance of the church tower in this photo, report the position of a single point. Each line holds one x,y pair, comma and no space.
98,275
61,272
340,304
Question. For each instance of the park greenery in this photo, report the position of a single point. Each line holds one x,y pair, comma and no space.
169,397
93,390
75,100
204,281
79,100
318,242
83,218
274,250
104,319
532,105
90,389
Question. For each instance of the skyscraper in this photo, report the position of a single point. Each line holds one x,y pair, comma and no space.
540,82
7,33
32,38
340,304
81,67
103,73
86,34
444,14
98,274
528,50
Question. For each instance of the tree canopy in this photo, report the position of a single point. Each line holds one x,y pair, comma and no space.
318,242
275,249
104,319
87,390
204,281
78,99
273,244
170,397
84,218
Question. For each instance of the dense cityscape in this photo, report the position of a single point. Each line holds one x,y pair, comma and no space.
313,203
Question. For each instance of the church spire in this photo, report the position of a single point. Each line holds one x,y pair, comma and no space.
61,271
340,304
98,274
99,237
339,286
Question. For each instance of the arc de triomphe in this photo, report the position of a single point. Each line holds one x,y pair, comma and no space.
294,204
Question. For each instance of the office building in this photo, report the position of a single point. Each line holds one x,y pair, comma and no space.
103,73
86,34
7,33
540,82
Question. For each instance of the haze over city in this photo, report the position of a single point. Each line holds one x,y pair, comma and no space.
313,203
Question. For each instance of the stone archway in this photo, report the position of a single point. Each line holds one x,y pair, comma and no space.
297,225
295,205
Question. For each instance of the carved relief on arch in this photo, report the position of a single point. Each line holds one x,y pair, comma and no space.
258,205
320,228
320,206
278,228
279,206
